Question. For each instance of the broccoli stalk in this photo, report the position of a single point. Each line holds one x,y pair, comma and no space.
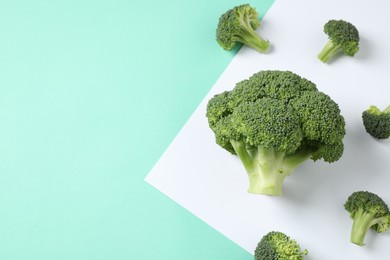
273,122
330,49
363,221
367,210
238,25
386,110
246,33
343,39
266,168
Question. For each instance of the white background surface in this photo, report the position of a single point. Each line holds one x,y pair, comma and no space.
212,184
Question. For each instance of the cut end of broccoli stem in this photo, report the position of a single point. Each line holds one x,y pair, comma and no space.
258,44
358,241
271,191
270,183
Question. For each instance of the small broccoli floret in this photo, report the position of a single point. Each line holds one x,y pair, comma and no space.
273,122
367,210
377,122
277,245
238,25
343,39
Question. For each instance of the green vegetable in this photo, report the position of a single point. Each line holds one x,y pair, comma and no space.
238,25
377,122
274,121
278,246
343,39
367,210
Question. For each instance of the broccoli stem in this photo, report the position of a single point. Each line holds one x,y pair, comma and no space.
267,182
328,51
249,37
362,221
292,161
266,168
245,156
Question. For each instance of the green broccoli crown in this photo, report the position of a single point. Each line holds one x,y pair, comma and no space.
322,125
377,122
219,118
344,34
269,123
278,110
368,202
238,25
277,245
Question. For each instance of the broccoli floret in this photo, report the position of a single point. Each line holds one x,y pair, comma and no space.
343,39
238,25
367,210
377,122
277,245
274,121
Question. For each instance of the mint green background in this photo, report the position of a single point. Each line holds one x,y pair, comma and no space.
91,94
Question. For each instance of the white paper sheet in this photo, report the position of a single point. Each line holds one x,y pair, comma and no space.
212,184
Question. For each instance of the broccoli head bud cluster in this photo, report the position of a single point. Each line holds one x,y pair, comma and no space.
277,245
343,39
367,210
274,121
238,25
377,122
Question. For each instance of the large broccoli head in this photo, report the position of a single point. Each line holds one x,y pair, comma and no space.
377,122
367,210
279,119
238,25
277,245
343,38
